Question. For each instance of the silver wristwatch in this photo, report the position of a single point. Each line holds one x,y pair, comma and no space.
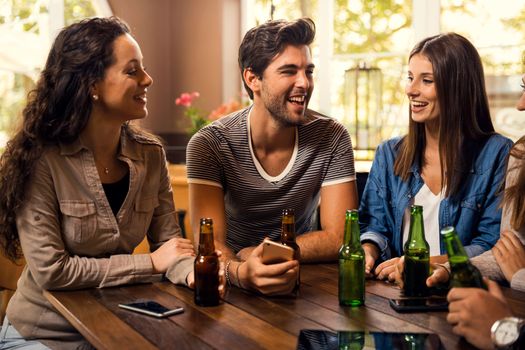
505,332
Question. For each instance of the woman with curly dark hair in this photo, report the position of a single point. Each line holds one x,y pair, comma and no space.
81,187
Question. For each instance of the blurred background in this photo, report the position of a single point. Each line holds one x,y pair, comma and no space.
360,53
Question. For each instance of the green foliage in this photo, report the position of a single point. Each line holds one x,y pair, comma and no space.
75,10
368,26
21,10
285,9
14,87
516,23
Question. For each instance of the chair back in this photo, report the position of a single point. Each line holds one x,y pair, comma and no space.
9,275
10,272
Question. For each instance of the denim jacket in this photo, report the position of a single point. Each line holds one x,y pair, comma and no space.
476,215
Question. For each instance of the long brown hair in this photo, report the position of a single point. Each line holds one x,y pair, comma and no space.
514,196
58,110
464,120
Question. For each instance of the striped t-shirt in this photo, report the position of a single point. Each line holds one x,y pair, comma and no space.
221,155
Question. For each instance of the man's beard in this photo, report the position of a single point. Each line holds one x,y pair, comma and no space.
277,108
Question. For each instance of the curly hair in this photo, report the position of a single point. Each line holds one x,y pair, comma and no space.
262,43
57,110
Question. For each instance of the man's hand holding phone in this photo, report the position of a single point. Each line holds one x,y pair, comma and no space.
277,278
274,252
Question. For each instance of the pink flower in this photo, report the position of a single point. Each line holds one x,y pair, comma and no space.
224,109
186,98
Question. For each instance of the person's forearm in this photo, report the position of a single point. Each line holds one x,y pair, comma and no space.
319,246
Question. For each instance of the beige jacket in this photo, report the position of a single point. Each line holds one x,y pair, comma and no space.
71,239
486,262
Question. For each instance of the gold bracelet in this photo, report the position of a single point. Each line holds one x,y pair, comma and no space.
237,273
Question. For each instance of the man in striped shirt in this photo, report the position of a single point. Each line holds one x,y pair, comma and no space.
246,167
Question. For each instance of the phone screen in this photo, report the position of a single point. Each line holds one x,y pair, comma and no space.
151,308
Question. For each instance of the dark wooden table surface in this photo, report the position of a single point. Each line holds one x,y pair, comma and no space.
245,320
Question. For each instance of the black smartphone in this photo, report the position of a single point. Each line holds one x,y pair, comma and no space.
419,304
151,308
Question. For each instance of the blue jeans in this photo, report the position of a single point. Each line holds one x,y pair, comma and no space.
11,339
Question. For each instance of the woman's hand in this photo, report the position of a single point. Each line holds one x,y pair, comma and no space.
440,275
387,269
398,273
371,255
473,311
509,254
167,253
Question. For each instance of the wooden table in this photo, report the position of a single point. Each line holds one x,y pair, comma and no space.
245,320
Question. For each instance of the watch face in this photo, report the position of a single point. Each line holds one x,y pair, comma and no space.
506,333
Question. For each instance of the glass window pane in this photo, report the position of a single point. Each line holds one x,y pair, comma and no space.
375,34
24,37
496,29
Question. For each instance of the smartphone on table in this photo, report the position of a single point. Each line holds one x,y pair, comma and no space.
151,308
274,252
419,304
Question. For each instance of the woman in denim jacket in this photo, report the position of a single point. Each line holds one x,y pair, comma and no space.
451,161
81,187
473,312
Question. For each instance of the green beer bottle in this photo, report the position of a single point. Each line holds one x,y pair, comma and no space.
351,264
417,256
463,273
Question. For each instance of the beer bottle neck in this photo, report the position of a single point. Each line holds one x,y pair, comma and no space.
206,245
352,234
456,252
416,234
288,229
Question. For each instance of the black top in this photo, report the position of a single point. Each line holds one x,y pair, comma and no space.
116,193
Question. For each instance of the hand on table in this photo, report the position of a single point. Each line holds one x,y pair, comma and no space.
389,270
371,255
439,275
166,254
473,311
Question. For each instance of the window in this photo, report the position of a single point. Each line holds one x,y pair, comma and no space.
361,52
26,30
496,29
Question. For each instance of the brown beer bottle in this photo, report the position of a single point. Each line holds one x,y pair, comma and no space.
206,267
288,238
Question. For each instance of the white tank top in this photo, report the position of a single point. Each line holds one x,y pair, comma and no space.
430,203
